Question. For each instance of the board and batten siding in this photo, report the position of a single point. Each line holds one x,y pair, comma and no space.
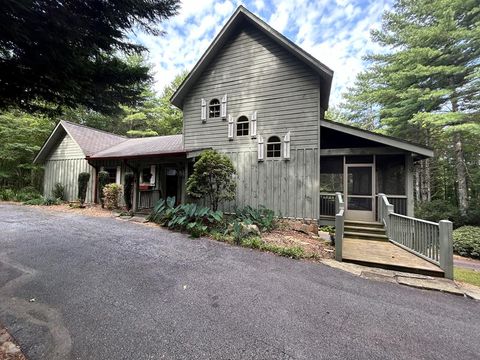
258,75
63,165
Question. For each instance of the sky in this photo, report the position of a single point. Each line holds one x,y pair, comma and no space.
336,32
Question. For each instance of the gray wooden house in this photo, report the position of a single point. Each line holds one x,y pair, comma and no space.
261,99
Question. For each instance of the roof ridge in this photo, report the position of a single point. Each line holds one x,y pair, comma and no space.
94,129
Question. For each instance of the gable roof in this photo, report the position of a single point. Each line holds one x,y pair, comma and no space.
379,138
239,17
143,147
88,139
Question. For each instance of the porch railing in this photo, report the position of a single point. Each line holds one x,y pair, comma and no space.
327,204
428,240
339,225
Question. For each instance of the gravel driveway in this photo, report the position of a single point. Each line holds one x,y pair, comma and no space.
101,288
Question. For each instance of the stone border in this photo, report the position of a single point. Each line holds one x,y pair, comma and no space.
407,279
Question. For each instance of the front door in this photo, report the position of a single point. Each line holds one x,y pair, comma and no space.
360,197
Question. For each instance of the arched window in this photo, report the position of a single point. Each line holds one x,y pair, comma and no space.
242,126
274,147
214,108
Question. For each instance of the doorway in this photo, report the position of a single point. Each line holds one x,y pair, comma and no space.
360,195
171,184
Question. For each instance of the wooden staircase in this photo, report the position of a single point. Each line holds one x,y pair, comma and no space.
362,230
366,243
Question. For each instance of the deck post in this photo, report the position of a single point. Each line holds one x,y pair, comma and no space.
339,235
446,247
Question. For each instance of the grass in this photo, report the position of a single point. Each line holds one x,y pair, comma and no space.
467,275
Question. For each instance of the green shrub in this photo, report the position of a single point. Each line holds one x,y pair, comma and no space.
27,193
437,210
327,228
262,217
44,200
103,179
194,219
466,241
111,194
58,191
255,242
36,201
128,190
7,195
212,178
83,179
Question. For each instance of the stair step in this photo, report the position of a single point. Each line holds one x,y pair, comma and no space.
365,229
363,223
367,236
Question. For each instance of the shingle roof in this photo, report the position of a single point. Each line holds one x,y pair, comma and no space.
148,146
91,140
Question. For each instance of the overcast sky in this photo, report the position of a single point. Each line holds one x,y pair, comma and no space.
336,32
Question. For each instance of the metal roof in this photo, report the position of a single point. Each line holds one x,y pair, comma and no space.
240,17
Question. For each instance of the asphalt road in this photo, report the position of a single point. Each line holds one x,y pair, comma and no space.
107,289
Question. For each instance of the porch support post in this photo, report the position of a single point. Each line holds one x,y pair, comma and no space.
183,188
446,247
409,184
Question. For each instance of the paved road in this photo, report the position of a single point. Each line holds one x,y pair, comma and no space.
106,289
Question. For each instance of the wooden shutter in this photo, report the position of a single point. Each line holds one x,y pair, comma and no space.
204,111
254,125
153,169
230,127
223,107
286,146
118,175
261,148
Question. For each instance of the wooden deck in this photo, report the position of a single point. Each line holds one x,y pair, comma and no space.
387,255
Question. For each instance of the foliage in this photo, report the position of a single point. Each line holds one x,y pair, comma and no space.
262,217
467,275
111,194
192,218
26,194
58,192
237,232
212,178
294,252
83,179
437,210
128,190
103,178
7,194
466,241
424,86
76,59
327,228
22,137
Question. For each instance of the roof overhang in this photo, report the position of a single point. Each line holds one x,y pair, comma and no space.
240,16
138,156
421,151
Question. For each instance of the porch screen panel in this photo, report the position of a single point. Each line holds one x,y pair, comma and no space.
331,174
391,174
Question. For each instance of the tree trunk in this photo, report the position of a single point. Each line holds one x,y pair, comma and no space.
460,166
461,170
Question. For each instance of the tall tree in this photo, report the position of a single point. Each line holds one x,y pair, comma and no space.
66,52
427,79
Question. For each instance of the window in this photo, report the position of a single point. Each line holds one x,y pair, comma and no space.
146,175
214,109
242,126
331,174
274,147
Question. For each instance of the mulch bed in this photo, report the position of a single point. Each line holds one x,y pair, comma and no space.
311,244
9,350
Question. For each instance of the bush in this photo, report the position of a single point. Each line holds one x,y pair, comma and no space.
111,194
44,200
7,195
466,241
103,179
192,218
294,252
128,190
83,179
27,193
437,210
59,191
262,217
212,178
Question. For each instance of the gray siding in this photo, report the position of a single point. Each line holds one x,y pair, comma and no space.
63,166
258,75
